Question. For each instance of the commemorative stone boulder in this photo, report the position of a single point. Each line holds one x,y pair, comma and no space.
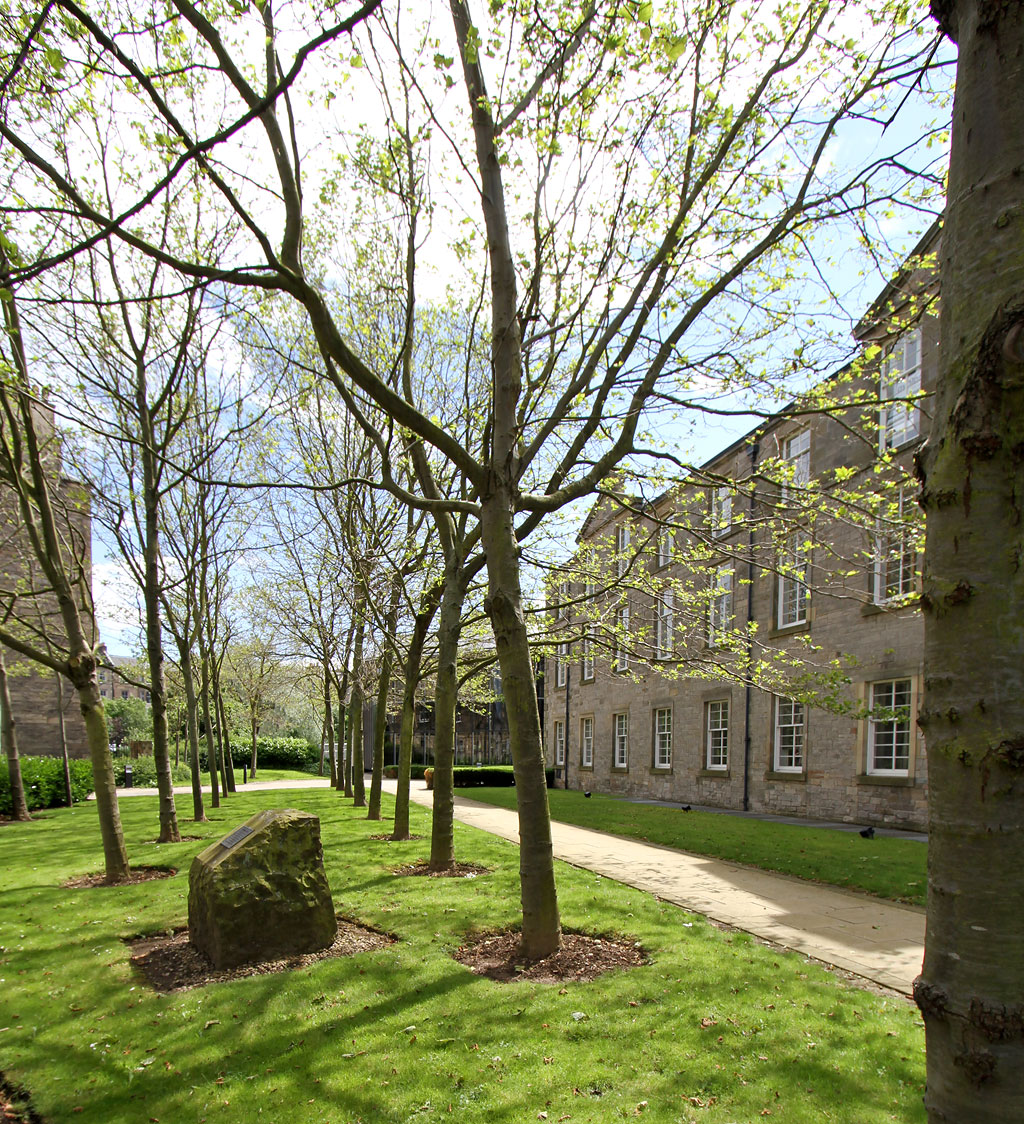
261,892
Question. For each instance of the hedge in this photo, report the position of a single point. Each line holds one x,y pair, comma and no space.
43,781
144,772
271,753
415,772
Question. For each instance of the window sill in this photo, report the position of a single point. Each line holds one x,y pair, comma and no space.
660,770
620,768
791,629
894,781
585,768
786,775
715,774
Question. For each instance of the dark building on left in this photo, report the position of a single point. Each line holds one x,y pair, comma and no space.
45,708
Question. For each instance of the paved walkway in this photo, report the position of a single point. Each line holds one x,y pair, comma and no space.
881,941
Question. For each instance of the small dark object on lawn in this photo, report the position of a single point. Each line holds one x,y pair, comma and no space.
586,794
867,833
686,808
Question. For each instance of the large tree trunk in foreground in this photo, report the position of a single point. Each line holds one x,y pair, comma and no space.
971,991
9,733
541,927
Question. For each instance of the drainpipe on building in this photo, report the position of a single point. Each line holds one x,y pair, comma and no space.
568,682
754,449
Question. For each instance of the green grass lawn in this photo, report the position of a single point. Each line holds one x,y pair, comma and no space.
717,1028
888,867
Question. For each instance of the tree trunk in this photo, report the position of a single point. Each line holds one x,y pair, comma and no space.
344,753
413,665
152,584
62,732
211,741
115,856
381,717
329,726
192,726
446,689
8,730
971,990
254,730
541,928
355,727
225,736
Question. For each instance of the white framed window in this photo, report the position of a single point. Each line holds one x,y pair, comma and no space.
666,544
663,737
563,593
721,510
796,452
622,538
622,638
620,740
901,380
895,573
793,593
889,729
587,742
664,626
562,664
789,735
587,660
720,605
716,731
560,742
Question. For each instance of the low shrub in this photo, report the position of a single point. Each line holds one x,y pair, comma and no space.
271,753
144,772
481,776
43,781
416,772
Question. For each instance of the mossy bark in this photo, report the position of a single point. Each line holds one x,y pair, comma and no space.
971,990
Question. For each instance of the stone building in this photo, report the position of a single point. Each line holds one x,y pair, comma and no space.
45,707
750,638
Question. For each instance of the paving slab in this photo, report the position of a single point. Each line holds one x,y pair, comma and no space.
881,941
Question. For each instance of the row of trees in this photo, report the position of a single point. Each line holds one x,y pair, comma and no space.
610,207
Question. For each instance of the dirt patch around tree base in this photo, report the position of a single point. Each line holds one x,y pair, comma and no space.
421,869
173,964
138,874
15,1107
580,959
388,838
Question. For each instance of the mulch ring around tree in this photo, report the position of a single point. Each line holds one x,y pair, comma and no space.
138,874
580,959
422,869
172,964
14,1105
386,838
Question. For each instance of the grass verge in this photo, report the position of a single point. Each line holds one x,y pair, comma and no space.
717,1028
884,866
